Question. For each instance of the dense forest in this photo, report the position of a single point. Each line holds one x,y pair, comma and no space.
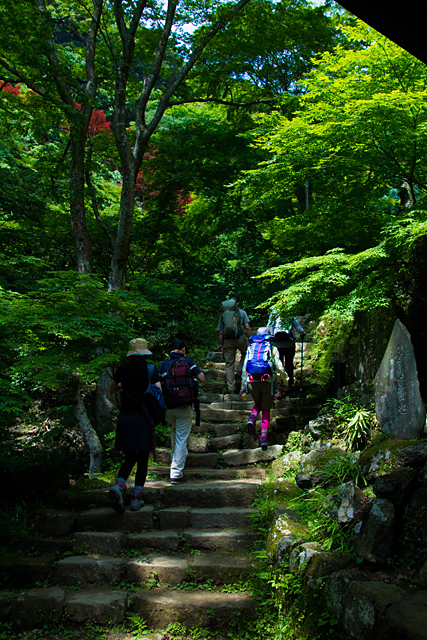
156,157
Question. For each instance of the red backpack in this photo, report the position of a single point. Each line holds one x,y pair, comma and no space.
178,385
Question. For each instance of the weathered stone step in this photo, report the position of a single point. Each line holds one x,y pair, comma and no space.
185,517
24,571
205,445
113,542
88,569
212,386
172,570
218,430
214,374
240,405
211,494
223,415
219,539
207,460
105,519
249,456
204,609
214,474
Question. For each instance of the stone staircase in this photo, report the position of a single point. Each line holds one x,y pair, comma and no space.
93,564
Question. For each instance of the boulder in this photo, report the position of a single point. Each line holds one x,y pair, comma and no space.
381,458
395,486
373,537
285,546
398,404
286,525
322,427
301,556
37,607
350,500
313,463
285,464
364,607
415,517
407,619
324,564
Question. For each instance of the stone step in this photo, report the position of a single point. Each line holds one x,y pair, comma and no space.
207,609
211,386
113,542
212,474
250,456
219,539
173,570
198,460
210,494
205,445
100,605
240,405
19,571
185,517
88,569
223,415
234,441
214,374
105,519
216,429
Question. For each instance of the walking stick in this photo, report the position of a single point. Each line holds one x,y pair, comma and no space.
302,357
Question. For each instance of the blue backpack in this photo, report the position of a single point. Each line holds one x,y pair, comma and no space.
259,359
154,403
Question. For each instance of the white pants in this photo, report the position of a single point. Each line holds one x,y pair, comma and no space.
181,419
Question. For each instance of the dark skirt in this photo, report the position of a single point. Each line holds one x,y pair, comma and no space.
134,433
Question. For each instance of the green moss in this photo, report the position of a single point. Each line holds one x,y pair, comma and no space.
285,525
89,484
379,458
286,490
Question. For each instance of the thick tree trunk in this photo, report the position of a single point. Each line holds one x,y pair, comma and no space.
117,277
88,432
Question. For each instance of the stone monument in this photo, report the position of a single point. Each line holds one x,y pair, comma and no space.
398,405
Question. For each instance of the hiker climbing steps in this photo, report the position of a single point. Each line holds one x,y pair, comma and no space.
198,531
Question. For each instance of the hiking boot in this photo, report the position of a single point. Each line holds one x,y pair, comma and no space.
263,441
116,494
136,501
251,429
279,395
181,480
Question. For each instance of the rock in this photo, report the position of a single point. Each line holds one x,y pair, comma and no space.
373,537
407,619
336,587
7,598
313,463
285,464
325,563
384,457
238,457
415,517
398,405
423,476
350,502
285,546
286,525
322,426
103,542
20,572
395,486
364,606
197,445
301,556
77,569
99,605
37,607
174,518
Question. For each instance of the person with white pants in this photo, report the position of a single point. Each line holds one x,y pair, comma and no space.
180,417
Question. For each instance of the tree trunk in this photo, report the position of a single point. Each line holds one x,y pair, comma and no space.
105,404
77,202
88,432
117,277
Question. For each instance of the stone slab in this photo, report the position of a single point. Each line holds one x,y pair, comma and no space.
408,619
37,607
250,456
209,460
168,570
197,445
225,517
88,569
221,568
48,546
102,542
226,429
218,539
213,493
98,605
179,518
219,474
53,522
226,442
191,608
24,572
398,404
162,540
222,415
105,519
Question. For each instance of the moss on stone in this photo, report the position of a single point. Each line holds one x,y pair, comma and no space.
285,491
285,525
380,457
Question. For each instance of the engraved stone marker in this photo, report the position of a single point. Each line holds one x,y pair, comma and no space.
398,403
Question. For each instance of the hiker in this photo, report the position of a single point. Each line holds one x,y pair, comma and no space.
234,331
134,432
180,392
262,370
284,339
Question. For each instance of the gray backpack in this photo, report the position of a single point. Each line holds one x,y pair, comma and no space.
232,319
